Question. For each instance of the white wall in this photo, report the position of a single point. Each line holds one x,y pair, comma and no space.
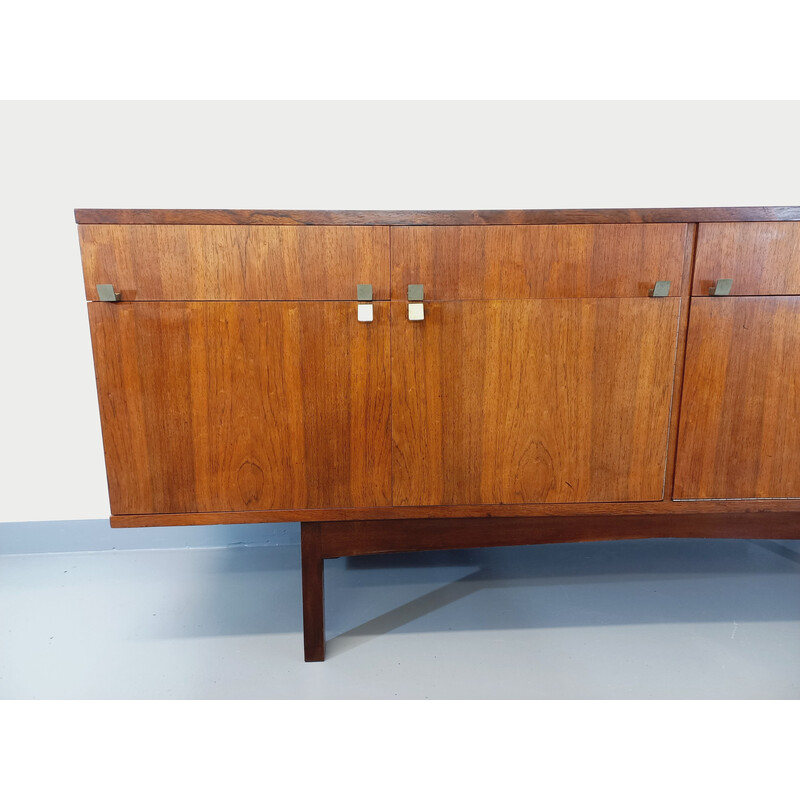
58,156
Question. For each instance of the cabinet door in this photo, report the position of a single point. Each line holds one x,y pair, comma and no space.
526,401
241,406
739,431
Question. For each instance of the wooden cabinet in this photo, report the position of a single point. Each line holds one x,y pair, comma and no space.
570,377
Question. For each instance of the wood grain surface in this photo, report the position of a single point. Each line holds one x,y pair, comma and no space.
532,401
517,262
759,257
696,508
740,416
313,571
231,406
680,359
569,216
507,400
401,536
224,262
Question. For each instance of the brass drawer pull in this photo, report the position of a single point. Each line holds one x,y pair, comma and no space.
106,293
416,294
721,288
661,289
364,294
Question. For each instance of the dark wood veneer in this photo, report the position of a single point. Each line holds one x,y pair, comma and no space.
313,592
669,507
109,216
353,538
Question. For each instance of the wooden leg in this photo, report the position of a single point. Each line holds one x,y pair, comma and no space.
313,567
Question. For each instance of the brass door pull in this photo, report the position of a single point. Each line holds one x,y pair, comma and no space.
106,293
416,294
661,289
721,288
364,295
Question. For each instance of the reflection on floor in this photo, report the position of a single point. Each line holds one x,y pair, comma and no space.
639,619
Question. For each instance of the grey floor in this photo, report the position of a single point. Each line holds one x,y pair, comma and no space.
640,619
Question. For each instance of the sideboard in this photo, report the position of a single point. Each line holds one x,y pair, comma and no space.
401,381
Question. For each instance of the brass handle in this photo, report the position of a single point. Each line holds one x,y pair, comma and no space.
106,293
661,289
721,288
364,294
416,294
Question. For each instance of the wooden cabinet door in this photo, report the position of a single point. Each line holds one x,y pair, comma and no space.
231,406
528,401
739,431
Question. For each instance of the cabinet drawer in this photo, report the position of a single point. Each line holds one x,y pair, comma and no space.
759,257
515,262
235,262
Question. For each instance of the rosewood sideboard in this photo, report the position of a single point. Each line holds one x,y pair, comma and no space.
428,380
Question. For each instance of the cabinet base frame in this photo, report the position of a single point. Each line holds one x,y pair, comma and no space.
321,540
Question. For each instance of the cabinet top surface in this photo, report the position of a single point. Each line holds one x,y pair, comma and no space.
109,216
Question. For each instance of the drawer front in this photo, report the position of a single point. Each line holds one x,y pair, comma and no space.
235,262
516,262
759,257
